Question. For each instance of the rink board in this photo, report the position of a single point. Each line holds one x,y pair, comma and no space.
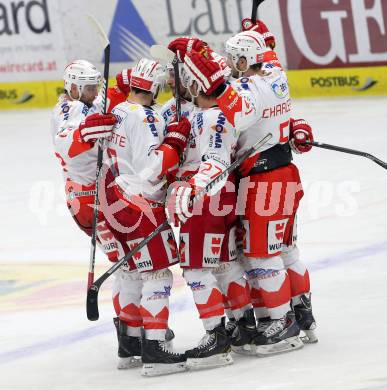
314,83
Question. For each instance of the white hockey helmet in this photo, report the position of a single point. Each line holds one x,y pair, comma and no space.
81,73
248,44
149,75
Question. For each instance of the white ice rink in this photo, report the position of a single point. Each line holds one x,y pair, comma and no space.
46,342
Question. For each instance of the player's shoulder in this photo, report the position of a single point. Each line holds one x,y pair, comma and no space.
65,108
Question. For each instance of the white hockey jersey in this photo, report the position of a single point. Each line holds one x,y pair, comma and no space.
168,110
132,150
78,159
271,109
211,147
259,105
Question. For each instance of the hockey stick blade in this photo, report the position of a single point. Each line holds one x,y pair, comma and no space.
101,32
92,293
349,151
92,303
162,53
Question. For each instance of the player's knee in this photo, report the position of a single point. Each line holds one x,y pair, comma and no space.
229,272
263,268
202,276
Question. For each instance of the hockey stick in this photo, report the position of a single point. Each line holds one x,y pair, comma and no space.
256,4
349,151
92,293
106,46
162,53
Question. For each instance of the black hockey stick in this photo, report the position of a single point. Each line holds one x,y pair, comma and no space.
106,46
349,151
162,53
256,4
92,293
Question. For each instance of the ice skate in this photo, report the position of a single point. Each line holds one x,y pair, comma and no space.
230,326
158,359
280,336
305,319
213,350
244,334
129,347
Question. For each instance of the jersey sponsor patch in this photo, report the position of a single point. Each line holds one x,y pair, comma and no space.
275,235
170,245
142,258
212,248
120,115
184,249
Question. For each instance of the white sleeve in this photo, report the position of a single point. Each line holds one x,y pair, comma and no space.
65,124
240,105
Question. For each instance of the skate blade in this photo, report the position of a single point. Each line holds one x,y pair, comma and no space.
247,349
309,337
219,360
129,362
156,369
288,345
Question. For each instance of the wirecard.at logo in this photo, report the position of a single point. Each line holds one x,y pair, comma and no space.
130,38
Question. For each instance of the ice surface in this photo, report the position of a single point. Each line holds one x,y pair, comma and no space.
46,342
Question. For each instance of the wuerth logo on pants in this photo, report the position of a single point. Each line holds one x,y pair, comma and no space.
129,36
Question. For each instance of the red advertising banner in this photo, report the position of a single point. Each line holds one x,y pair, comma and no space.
334,33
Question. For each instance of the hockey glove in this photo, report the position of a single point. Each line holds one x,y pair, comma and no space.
178,134
97,126
208,74
123,81
178,204
300,131
182,46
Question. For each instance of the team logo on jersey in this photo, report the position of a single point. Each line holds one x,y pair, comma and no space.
129,36
275,235
212,249
141,258
280,89
184,249
170,245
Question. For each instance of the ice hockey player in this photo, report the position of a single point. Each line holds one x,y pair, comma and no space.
266,109
139,157
298,273
181,46
207,232
77,123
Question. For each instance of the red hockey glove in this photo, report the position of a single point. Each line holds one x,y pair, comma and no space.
178,134
123,81
97,126
259,26
300,131
182,46
178,203
207,73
